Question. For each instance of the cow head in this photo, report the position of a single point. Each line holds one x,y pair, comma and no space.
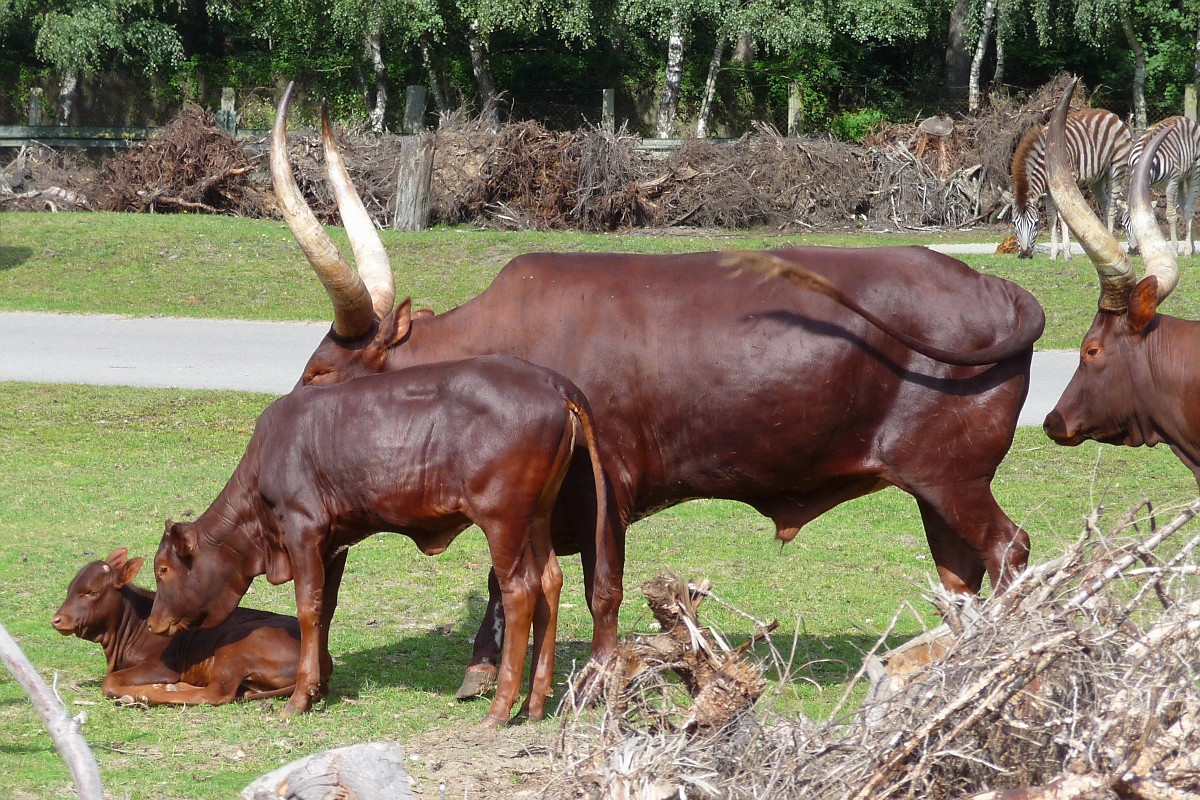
365,326
1106,399
199,583
94,605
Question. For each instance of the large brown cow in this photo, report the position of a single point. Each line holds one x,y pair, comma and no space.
252,655
710,383
1139,371
424,452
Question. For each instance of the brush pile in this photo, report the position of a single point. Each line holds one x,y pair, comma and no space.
41,178
1082,681
191,165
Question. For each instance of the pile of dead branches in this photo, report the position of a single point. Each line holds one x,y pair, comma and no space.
41,178
1082,681
191,165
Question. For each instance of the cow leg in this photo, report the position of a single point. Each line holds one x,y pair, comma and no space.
481,672
969,535
161,694
308,574
545,626
519,581
333,582
116,684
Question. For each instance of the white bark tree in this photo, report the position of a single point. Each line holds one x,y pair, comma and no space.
668,99
710,87
974,91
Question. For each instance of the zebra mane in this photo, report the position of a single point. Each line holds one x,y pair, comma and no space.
1032,140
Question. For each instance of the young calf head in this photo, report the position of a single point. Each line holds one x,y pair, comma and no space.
93,605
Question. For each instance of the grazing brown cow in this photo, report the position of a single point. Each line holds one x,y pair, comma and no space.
252,655
1139,371
424,452
710,383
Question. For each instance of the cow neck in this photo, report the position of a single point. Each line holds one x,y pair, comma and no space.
235,520
457,334
1170,369
125,643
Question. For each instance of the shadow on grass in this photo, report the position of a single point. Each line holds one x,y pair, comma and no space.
13,257
434,661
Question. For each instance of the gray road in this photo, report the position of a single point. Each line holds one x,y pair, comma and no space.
168,352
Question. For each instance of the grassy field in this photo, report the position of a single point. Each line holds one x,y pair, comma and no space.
199,266
85,470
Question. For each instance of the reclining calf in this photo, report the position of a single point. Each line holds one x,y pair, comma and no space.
424,452
252,655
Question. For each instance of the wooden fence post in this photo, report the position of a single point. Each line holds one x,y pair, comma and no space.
227,116
35,106
795,119
608,111
414,177
414,109
1189,101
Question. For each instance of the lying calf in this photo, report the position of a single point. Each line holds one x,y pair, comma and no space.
251,655
424,452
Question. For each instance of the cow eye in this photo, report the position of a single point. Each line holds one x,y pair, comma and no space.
1093,352
162,570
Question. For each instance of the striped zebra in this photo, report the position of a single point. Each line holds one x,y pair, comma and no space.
1098,145
1176,171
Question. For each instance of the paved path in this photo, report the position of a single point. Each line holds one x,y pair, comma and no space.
169,352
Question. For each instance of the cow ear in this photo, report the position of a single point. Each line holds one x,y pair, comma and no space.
1143,303
127,573
183,539
116,559
396,325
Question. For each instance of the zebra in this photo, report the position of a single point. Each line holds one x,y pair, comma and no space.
1176,170
1098,145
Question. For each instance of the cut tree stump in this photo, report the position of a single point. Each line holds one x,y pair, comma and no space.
414,176
372,771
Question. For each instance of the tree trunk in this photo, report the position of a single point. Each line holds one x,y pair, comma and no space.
974,94
1139,68
66,98
64,731
668,102
483,77
958,63
1196,64
710,88
744,52
437,77
414,176
373,42
998,81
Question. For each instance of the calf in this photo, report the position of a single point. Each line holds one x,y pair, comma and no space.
252,655
424,452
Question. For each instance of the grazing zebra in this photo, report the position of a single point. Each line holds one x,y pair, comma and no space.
1176,170
1098,145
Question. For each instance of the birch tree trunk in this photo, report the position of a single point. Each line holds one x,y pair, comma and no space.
958,65
668,102
483,77
710,88
998,80
66,98
373,43
437,77
64,731
974,93
1139,68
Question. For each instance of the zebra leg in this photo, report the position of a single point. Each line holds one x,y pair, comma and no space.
1174,195
1052,219
1189,207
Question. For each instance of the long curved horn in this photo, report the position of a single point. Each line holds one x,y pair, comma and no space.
352,313
1112,263
1159,256
372,259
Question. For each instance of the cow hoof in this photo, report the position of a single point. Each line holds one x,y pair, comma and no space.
477,683
290,710
492,722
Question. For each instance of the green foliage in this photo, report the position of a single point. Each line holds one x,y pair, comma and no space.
853,126
80,37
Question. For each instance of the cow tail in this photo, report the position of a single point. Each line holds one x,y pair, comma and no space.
580,410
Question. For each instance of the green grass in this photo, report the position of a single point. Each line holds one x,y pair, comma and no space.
85,470
200,266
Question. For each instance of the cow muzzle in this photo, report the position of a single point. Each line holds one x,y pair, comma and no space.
62,624
1056,428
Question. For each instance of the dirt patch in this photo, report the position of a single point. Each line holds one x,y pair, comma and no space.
474,762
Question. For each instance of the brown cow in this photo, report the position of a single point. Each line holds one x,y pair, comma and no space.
252,655
710,383
424,452
1139,371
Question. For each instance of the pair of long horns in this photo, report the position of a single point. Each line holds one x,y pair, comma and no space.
359,297
1112,263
